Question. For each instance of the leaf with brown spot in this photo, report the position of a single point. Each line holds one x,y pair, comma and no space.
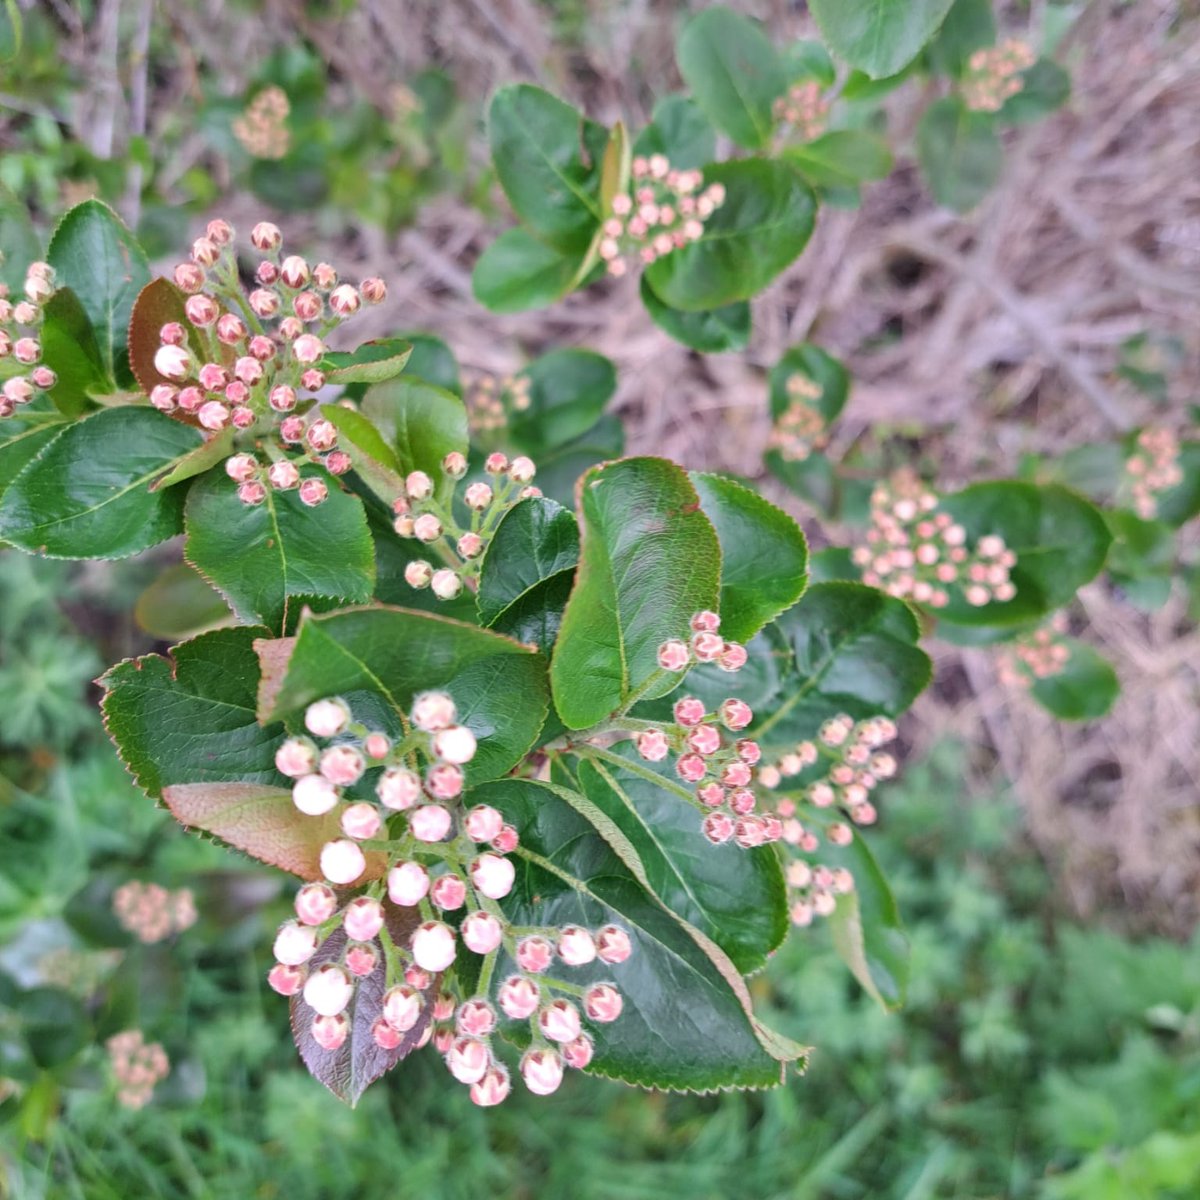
274,654
158,303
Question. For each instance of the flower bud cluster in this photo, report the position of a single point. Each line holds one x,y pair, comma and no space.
152,913
666,209
137,1066
420,515
246,360
20,343
800,428
1041,654
994,75
916,552
490,398
80,972
1151,468
835,774
262,127
803,110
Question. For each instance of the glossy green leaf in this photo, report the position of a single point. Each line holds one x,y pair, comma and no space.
498,685
679,130
1083,690
192,718
970,25
568,874
841,158
517,272
855,650
764,555
19,242
70,350
86,495
650,561
433,361
372,362
179,604
271,559
374,460
547,157
764,223
808,60
734,73
1045,89
568,391
215,449
1059,539
879,37
94,255
712,332
733,896
960,153
814,479
22,437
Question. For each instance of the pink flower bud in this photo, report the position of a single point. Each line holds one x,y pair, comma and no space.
283,475
521,470
735,714
322,435
432,711
652,745
542,1071
326,718
308,348
443,1007
201,309
45,379
206,252
162,396
189,277
493,876
613,944
689,711
408,884
212,377
518,997
534,954
342,861
482,933
742,801
377,745
402,1007
384,1036
673,656
266,273
445,584
172,362
444,782
576,946
264,303
427,528
294,944
243,418
265,236
443,1039
483,823
470,545
749,832
433,946
374,290
313,492
717,827
27,350
736,774
454,465
559,1021
733,657
240,467
603,1003
770,777
361,959
748,751
315,903
430,823
454,744
418,573
219,231
477,496
248,370
707,646
18,390
691,767
363,919
578,1053
448,892
344,300
294,272
283,399
308,306
251,492
342,765
704,740
475,1018
230,329
337,462
493,1088
711,795
213,415
506,841
398,788
496,463
361,821
330,1033
286,980
314,795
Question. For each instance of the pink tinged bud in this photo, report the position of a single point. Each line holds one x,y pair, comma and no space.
483,823
172,362
840,834
230,329
377,745
736,714
443,1007
448,892
408,884
402,1007
493,1088
559,1021
205,252
493,876
283,476
518,998
443,1039
506,841
212,377
314,795
717,827
433,946
243,418
295,944
252,492
322,435
603,1003
711,795
496,464
691,767
283,399
736,774
707,646
470,545
398,788
748,751
307,306
248,370
326,718
344,300
25,314
361,821
384,1036
162,396
308,348
578,1053
266,273
444,782
430,823
313,492
240,467
265,236
673,656
342,861
294,272
705,740
313,379
482,933
454,465
45,379
330,1033
213,415
478,496
433,711
542,1071
613,944
749,832
522,470
689,711
189,277
455,744
285,979
342,765
770,777
201,310
733,657
219,231
534,954
374,290
445,584
652,745
315,903
27,350
337,462
264,303
363,919
427,528
475,1018
361,960
18,390
418,573
576,946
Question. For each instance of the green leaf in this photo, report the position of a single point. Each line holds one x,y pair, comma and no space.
95,256
817,366
517,272
1045,88
1178,505
960,153
86,493
269,560
1083,690
764,223
1059,539
547,157
217,448
559,470
19,242
679,130
879,37
374,461
712,332
180,604
764,555
568,391
650,561
687,1022
372,362
392,556
733,896
433,361
498,685
21,439
866,928
970,25
855,651
841,158
808,60
192,719
69,349
734,73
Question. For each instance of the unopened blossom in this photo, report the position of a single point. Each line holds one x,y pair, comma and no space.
137,1067
408,884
